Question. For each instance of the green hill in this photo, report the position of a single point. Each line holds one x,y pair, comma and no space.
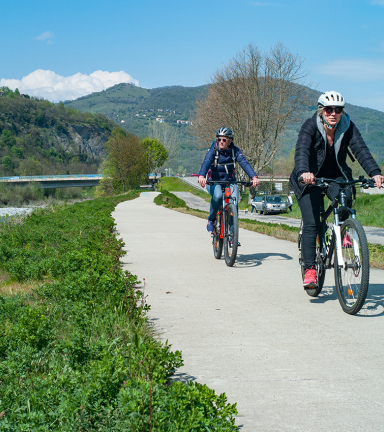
38,137
136,109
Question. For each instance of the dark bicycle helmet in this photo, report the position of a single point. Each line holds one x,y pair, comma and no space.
224,131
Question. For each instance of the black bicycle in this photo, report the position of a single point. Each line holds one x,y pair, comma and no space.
346,243
226,228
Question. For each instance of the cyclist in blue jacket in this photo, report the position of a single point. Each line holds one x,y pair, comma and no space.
220,164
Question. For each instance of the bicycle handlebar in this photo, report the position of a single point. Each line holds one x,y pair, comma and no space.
322,181
225,182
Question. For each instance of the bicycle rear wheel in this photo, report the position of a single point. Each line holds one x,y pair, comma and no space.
231,234
217,242
352,281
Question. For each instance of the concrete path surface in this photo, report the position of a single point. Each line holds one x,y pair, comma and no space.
291,362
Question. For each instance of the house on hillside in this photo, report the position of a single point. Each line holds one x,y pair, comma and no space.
187,122
2,93
160,120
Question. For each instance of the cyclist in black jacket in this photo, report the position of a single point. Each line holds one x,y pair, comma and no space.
322,147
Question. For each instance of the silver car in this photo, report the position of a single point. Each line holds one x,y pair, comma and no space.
269,204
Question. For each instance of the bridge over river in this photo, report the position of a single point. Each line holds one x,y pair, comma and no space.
61,181
56,181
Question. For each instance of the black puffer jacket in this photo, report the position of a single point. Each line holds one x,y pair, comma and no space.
311,148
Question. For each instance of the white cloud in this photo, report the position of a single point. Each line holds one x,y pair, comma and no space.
360,70
45,35
54,87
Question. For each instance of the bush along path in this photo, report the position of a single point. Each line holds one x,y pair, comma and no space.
77,353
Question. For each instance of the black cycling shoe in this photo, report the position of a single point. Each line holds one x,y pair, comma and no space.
231,243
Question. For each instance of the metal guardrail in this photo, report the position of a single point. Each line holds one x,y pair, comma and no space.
51,177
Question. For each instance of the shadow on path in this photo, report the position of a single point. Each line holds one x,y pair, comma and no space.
257,259
327,293
183,377
373,306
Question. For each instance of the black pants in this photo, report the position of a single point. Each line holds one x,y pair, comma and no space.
309,204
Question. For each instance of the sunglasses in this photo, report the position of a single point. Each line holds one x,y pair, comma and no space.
329,110
224,140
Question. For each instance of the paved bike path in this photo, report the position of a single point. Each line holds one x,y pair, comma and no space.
292,363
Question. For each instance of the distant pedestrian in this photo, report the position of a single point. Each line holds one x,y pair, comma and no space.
290,201
254,206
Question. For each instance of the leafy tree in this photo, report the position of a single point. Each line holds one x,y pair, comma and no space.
7,163
30,166
18,152
105,188
7,138
126,161
156,154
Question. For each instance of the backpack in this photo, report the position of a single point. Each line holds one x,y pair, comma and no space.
215,163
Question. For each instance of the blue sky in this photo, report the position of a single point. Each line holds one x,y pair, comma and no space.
158,43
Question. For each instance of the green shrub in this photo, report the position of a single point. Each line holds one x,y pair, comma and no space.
169,200
77,353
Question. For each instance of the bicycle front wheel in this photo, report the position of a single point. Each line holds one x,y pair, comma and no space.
217,242
352,280
231,234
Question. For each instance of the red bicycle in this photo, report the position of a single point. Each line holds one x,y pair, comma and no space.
226,229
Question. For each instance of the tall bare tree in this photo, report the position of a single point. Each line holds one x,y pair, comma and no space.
167,135
257,94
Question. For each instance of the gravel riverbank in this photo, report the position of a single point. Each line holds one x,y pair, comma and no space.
14,211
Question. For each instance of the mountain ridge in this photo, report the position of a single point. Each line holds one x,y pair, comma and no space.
135,108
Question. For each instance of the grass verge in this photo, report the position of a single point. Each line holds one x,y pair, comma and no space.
76,352
174,184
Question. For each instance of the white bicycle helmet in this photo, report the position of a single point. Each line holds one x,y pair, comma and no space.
224,131
331,98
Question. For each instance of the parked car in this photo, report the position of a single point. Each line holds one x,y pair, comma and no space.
194,175
269,204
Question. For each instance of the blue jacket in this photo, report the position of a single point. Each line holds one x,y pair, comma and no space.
225,169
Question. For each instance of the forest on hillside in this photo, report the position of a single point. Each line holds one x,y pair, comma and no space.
38,137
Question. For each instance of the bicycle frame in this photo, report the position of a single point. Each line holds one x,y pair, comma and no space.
336,207
227,196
